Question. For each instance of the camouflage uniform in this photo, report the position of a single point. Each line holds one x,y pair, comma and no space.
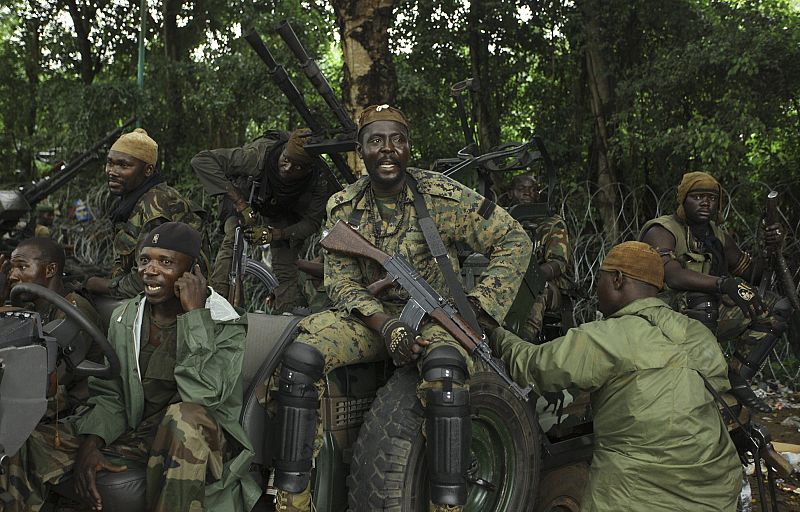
733,326
550,245
457,212
158,205
297,211
180,417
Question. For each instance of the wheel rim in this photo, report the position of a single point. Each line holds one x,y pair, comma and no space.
494,451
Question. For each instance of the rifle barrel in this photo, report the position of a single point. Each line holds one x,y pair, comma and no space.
45,186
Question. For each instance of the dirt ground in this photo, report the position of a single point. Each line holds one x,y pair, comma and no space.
788,493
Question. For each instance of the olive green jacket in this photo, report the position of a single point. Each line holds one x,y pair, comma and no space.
660,442
208,371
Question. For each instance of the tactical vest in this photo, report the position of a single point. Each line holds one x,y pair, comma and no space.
695,261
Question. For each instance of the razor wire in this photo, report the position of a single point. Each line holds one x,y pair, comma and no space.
91,242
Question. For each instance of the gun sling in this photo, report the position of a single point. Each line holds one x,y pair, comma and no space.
437,248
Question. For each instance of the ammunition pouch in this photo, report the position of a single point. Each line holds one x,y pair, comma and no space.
447,426
297,417
704,308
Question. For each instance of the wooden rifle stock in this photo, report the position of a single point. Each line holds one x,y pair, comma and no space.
345,240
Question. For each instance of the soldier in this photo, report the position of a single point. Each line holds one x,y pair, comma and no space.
660,441
45,215
41,261
551,249
708,278
365,328
180,417
144,202
290,196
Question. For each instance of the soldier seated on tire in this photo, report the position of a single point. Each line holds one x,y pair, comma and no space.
709,278
364,328
660,441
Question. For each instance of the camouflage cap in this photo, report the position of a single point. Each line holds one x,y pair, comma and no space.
636,260
295,147
697,181
381,113
44,208
175,236
139,145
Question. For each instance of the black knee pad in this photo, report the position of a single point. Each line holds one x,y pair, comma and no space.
447,426
297,418
703,308
445,364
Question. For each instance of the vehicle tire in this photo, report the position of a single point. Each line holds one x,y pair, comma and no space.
561,489
389,470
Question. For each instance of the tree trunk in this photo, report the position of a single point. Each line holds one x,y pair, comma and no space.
178,43
602,98
369,75
82,17
33,65
486,110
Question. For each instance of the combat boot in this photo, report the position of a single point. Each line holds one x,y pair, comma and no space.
291,502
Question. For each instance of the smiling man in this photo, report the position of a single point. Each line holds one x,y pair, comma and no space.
385,208
287,204
709,279
175,405
660,442
143,202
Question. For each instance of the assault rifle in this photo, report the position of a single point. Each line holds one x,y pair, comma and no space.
242,265
320,141
16,203
425,301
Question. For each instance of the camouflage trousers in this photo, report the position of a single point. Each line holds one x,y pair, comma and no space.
737,332
287,295
550,300
181,448
343,340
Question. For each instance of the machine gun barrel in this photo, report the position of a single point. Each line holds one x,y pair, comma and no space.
315,76
295,97
45,186
424,299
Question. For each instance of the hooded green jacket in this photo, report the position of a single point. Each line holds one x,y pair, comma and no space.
208,369
660,442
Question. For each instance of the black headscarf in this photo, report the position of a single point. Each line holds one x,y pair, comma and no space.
124,205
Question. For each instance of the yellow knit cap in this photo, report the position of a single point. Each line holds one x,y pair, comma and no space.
636,260
139,145
693,181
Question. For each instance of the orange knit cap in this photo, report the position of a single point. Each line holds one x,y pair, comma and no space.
636,260
694,181
381,113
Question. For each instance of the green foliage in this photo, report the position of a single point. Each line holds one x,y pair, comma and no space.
696,84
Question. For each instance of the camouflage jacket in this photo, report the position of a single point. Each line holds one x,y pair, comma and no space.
460,214
551,245
158,205
299,212
208,371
